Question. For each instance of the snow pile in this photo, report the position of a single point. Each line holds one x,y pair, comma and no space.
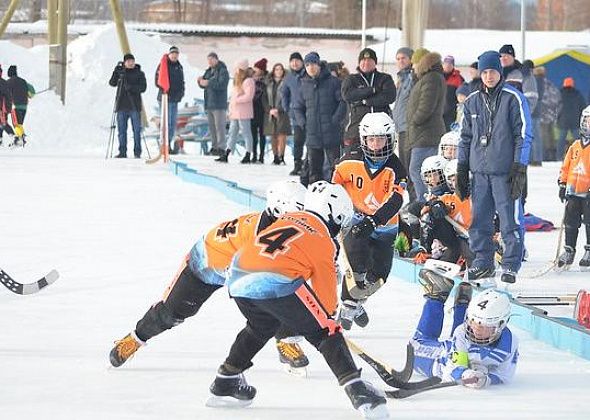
83,124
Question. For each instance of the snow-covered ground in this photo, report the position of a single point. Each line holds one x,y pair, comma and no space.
117,231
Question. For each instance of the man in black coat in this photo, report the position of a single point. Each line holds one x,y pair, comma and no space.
175,94
130,83
366,91
320,109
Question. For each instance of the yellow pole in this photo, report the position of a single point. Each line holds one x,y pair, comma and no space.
62,35
120,24
11,8
52,22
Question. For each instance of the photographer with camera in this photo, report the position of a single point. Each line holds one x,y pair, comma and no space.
130,83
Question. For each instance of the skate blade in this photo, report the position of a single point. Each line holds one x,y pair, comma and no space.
379,412
561,269
215,401
299,372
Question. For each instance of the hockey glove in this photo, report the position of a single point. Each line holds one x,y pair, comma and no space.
462,181
438,210
475,379
364,228
517,180
562,193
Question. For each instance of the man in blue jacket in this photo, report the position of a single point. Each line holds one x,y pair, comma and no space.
214,82
289,91
320,109
495,147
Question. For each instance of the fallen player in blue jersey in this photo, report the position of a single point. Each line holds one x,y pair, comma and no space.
482,350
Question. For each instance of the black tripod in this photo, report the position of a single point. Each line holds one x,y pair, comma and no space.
113,126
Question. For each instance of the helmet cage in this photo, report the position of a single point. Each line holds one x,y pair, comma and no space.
381,154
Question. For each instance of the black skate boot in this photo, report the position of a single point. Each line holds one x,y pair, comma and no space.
124,349
295,360
476,273
436,286
508,276
585,261
350,311
463,294
367,399
230,390
567,257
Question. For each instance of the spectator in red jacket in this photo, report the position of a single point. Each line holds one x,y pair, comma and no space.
453,79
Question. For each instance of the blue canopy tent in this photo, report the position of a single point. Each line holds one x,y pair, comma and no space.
568,63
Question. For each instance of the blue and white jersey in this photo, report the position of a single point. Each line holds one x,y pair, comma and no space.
499,359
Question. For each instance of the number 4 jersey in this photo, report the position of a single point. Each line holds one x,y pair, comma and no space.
211,255
296,248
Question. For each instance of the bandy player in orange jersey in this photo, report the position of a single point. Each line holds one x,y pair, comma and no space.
374,178
434,217
574,187
268,280
203,272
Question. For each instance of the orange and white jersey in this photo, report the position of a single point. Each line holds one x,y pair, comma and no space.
575,170
224,240
368,190
460,211
297,247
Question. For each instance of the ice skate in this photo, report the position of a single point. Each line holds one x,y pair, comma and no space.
351,311
125,349
294,359
566,259
585,260
367,399
230,390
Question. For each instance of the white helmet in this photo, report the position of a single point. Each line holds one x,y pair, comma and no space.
448,145
449,171
585,123
285,196
432,171
486,316
330,201
377,124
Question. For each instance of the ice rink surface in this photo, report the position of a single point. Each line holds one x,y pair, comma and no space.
117,232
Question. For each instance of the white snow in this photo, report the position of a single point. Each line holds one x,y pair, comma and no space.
117,231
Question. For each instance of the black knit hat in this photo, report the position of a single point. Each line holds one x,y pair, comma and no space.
295,55
507,49
368,53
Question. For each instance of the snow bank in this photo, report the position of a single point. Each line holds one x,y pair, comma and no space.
82,125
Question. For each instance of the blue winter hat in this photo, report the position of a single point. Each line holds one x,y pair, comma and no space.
312,58
489,60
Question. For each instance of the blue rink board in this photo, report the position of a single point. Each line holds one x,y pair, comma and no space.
558,332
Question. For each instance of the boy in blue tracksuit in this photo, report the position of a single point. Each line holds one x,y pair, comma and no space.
495,147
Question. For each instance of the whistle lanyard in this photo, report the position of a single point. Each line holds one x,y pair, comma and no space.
492,107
